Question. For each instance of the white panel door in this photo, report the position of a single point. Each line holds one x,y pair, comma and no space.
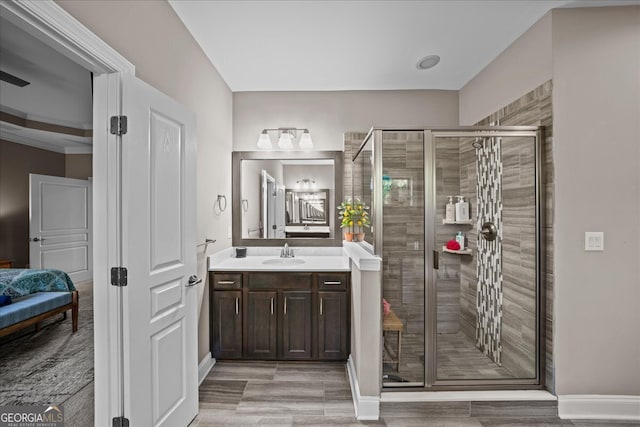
159,251
60,225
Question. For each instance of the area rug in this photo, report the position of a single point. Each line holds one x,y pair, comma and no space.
49,366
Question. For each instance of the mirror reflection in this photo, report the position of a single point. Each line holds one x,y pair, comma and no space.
287,198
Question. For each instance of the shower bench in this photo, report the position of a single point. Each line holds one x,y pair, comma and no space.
391,323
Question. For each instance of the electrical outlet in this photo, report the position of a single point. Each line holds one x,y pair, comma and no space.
594,241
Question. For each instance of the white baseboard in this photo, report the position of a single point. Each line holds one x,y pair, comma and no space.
205,366
367,407
599,407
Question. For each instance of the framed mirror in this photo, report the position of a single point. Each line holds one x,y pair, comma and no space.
280,197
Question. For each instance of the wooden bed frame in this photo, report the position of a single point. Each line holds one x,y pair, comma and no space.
73,305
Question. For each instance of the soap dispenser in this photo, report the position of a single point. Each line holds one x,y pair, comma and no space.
450,215
462,210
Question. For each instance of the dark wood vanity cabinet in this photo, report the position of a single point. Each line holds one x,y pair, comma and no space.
296,325
284,315
226,324
262,325
333,325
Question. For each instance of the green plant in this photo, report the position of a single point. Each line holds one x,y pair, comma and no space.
354,214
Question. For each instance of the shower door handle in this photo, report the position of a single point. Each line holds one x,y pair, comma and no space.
436,260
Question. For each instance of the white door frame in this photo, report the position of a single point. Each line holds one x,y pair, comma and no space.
52,25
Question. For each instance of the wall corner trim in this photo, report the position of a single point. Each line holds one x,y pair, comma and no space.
205,366
599,406
367,407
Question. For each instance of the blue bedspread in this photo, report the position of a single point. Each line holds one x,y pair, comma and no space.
20,282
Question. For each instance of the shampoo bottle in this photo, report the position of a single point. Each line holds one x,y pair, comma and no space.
462,210
450,215
460,239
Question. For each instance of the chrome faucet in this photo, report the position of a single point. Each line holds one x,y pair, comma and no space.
286,252
306,226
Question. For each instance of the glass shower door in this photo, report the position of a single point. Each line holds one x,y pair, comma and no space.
403,255
483,291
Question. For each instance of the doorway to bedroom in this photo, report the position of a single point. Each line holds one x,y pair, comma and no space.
46,121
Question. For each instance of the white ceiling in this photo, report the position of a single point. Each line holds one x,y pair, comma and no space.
355,45
59,93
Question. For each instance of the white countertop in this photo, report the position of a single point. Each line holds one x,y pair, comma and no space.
315,259
255,263
309,229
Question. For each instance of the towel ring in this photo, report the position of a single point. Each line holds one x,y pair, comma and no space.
219,201
245,205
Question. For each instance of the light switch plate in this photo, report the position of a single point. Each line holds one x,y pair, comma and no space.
594,241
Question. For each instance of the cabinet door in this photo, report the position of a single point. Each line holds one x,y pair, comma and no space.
261,325
333,326
296,325
226,325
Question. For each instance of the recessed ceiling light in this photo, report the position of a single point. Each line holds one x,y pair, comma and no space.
428,62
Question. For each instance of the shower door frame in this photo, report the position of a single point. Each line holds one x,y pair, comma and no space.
429,135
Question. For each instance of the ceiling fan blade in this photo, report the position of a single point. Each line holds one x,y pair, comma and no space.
10,78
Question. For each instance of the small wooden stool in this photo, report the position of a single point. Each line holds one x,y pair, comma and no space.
391,323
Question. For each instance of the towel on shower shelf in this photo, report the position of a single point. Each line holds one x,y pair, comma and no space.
452,245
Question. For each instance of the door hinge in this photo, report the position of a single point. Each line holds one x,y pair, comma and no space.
118,125
120,422
118,276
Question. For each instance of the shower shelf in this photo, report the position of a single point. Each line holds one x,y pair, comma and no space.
462,252
467,222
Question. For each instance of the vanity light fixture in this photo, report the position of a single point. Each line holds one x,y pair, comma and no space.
305,140
305,183
285,138
285,141
264,142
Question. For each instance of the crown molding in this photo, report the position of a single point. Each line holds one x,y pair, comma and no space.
54,26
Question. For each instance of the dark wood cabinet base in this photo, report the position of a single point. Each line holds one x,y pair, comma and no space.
280,315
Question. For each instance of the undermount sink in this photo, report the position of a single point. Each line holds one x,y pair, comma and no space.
284,261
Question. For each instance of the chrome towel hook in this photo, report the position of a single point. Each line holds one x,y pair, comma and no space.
221,201
245,205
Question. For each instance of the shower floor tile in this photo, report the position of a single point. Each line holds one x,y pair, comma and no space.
458,358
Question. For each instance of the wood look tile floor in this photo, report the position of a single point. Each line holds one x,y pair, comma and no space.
287,394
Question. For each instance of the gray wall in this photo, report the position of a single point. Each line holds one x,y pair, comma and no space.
523,66
78,166
17,161
154,39
328,115
596,93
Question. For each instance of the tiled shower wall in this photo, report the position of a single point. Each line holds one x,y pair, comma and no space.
447,165
403,229
534,108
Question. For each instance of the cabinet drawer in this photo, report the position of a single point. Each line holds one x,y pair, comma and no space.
333,281
227,280
279,281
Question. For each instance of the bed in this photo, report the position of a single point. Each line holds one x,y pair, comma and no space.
30,296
